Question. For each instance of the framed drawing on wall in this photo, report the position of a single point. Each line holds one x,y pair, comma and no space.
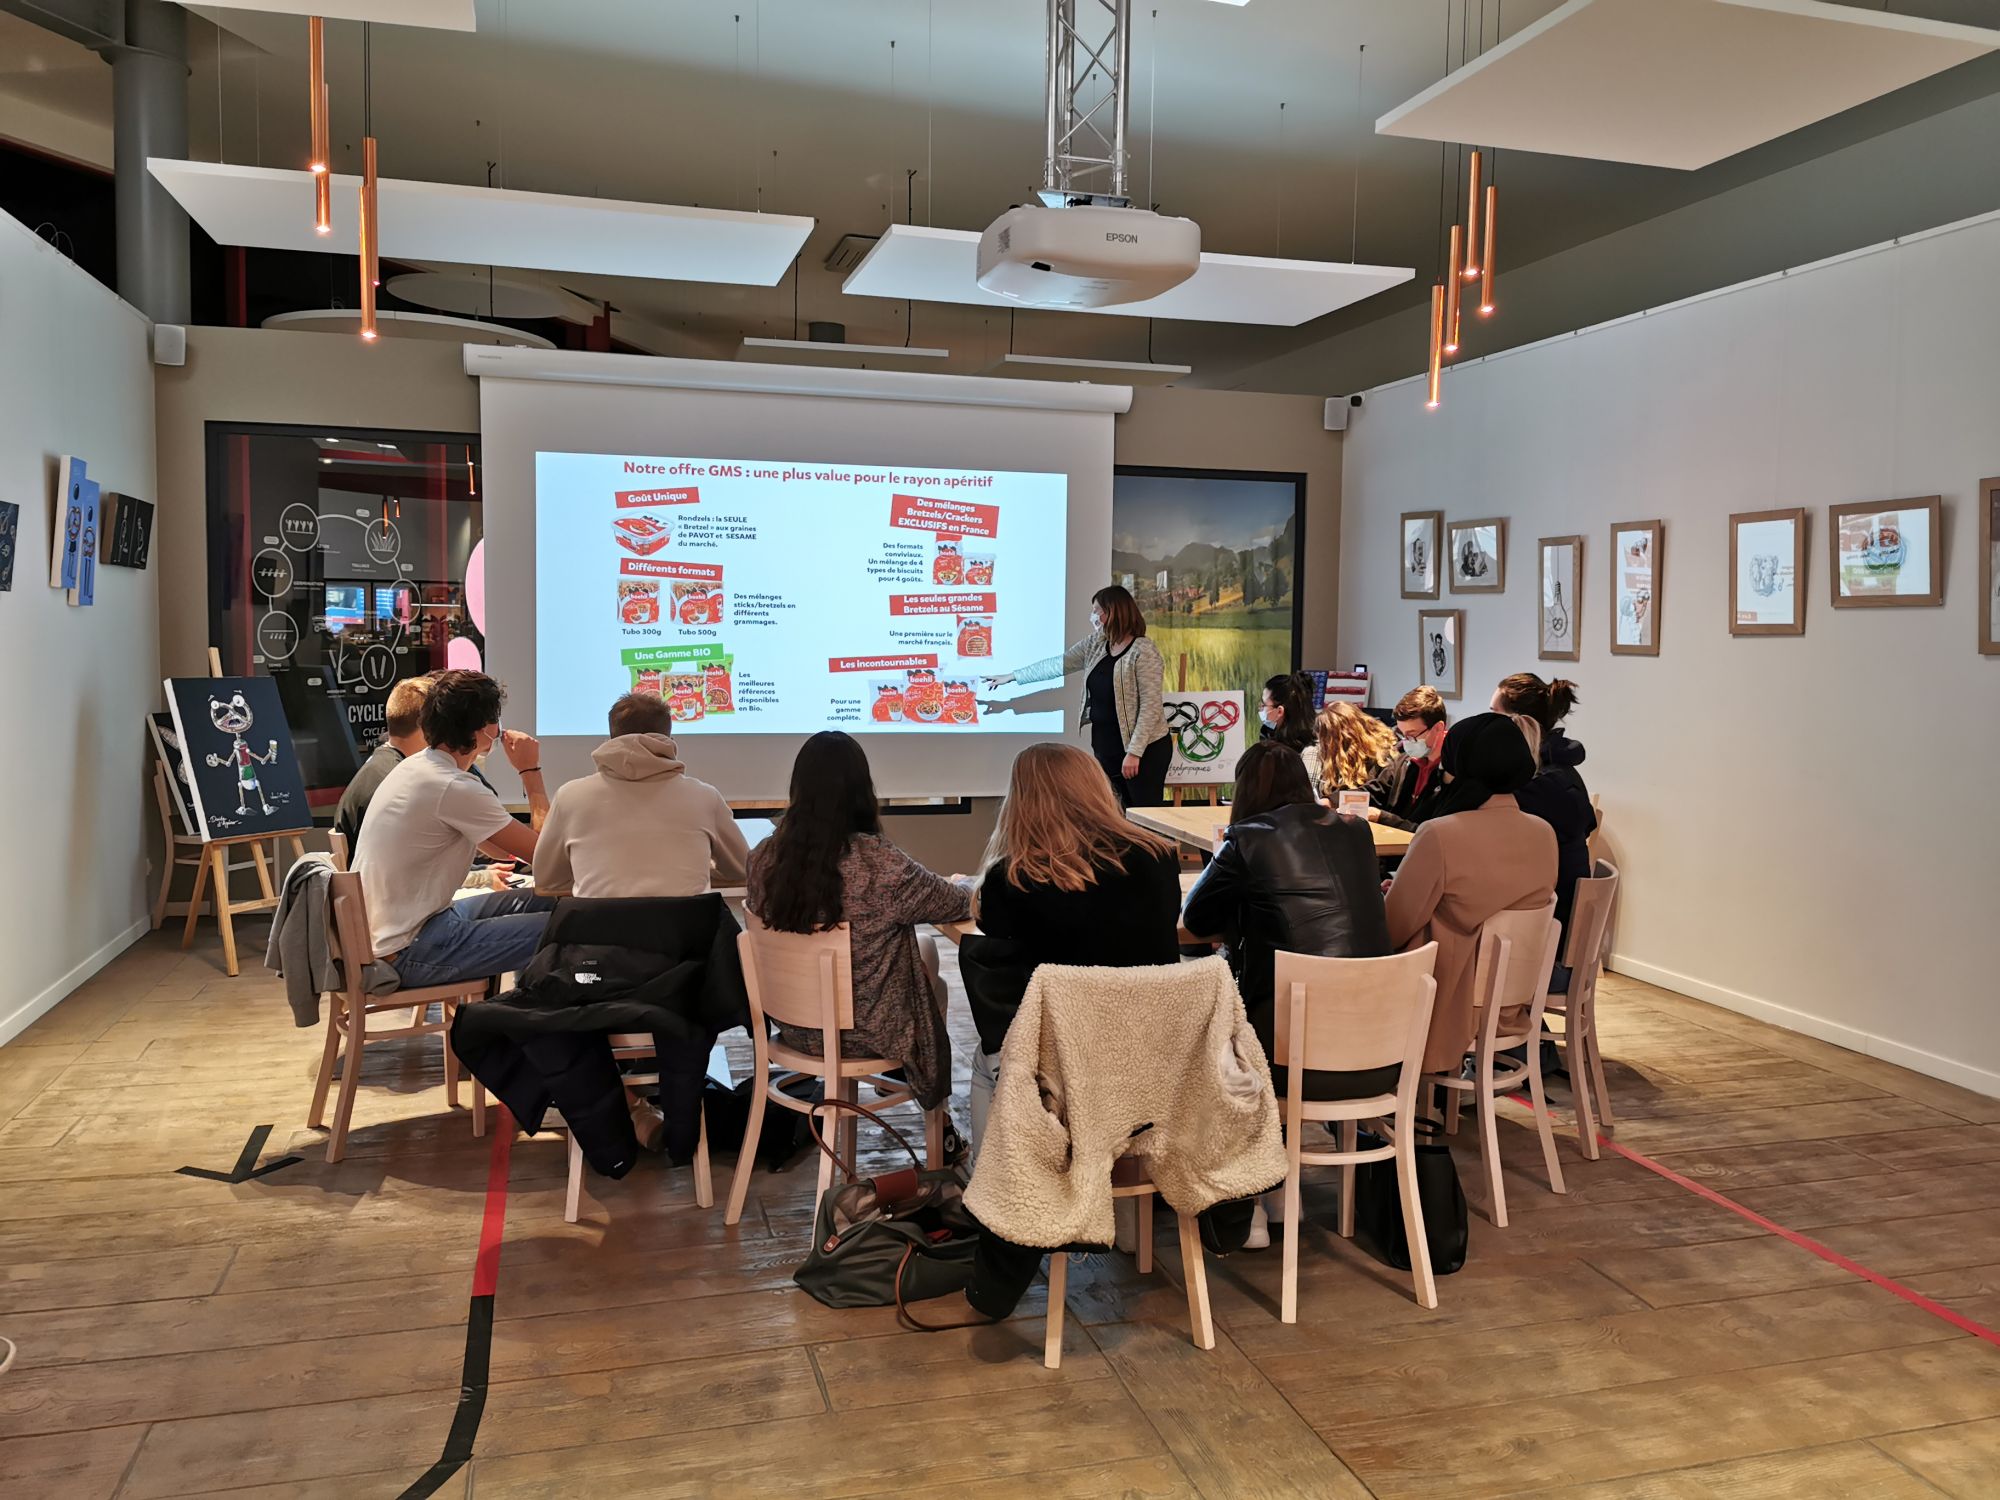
1561,598
1423,538
1886,555
1479,556
1635,588
1767,572
1440,641
1989,567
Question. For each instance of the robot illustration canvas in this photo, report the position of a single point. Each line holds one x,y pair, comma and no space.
243,775
233,719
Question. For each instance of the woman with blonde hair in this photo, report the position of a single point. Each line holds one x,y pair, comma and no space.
1350,747
1069,880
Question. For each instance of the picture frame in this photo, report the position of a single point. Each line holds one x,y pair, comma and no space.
1478,556
1559,599
1767,572
1422,534
1441,651
1886,554
1989,567
1637,583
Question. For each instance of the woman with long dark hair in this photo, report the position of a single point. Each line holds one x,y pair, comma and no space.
828,863
1286,711
1124,686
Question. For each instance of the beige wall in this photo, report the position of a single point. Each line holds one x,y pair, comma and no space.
1181,427
255,375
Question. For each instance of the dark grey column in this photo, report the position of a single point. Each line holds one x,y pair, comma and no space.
149,118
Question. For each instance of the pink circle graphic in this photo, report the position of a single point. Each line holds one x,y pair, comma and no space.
462,656
475,586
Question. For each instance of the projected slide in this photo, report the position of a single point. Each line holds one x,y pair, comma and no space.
760,597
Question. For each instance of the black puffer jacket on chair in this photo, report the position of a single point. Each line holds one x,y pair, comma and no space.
665,966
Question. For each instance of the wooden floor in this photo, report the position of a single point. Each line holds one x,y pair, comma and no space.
302,1334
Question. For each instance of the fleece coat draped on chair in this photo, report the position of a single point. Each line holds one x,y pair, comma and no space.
1100,1063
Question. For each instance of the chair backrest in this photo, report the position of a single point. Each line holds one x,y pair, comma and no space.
799,978
1517,952
1590,917
347,928
336,845
1356,1012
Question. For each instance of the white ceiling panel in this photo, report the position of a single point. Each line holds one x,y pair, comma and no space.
914,263
272,208
1679,83
441,15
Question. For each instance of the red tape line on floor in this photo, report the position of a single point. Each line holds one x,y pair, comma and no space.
473,1373
1826,1253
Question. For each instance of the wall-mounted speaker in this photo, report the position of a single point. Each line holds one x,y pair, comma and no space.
170,344
1339,409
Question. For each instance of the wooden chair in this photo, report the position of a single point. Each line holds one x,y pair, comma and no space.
1344,1015
1588,941
336,848
632,1046
1517,951
1131,1178
350,1006
806,980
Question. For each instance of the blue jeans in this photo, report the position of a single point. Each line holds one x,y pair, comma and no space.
474,937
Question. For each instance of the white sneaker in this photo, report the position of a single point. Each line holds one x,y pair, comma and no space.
1260,1229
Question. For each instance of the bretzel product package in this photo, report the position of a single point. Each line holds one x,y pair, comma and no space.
685,697
923,699
641,535
948,566
697,603
638,602
888,706
718,693
960,706
649,680
975,635
978,570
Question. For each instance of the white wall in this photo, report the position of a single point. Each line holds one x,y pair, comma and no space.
1809,826
75,684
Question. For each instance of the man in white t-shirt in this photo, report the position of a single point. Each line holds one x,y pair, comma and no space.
425,821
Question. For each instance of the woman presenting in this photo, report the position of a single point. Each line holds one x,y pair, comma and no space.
1123,683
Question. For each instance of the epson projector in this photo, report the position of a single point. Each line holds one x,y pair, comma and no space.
1086,255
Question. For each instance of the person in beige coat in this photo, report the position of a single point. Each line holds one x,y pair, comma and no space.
1477,855
640,826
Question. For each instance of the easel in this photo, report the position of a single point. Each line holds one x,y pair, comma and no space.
212,865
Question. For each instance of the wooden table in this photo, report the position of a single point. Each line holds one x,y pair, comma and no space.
1196,827
953,932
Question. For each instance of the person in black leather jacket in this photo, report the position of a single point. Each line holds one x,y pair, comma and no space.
1291,874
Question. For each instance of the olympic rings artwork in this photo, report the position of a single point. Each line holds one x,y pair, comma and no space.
1202,727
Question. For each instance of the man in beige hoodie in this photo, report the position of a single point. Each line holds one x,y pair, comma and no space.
641,826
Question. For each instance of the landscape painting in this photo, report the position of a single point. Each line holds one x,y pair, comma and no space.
1212,559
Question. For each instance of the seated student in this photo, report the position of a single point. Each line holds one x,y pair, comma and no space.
1292,875
405,737
1557,793
1286,712
641,826
1069,880
424,822
1404,791
1351,747
828,863
1476,855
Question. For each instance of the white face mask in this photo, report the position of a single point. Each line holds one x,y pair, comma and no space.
1416,749
1268,718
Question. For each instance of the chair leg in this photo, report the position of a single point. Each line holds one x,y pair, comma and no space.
194,898
934,1138
704,1181
573,1199
1058,1290
1604,1117
1421,1280
1144,1254
350,1080
1545,1125
746,1155
848,1136
166,886
1288,1308
1451,1110
1489,1143
1350,1131
826,1163
1577,1054
316,1116
1195,1272
447,1010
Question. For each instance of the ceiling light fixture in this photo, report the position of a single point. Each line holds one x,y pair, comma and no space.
1437,348
371,260
1451,299
1492,270
316,106
1470,270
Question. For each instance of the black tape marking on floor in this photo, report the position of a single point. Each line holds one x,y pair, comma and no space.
471,1403
246,1163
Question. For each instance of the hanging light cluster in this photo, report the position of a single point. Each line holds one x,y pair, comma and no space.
1470,270
321,164
371,257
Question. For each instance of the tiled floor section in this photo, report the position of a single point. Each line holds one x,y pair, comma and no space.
300,1335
